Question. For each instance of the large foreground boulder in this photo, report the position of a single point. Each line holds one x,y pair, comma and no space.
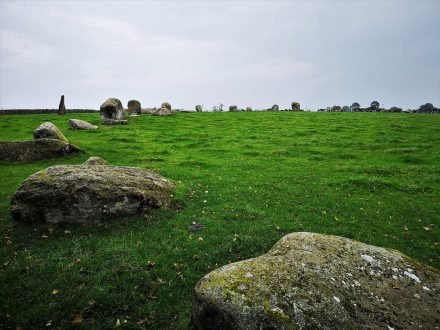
312,281
112,112
88,194
81,125
47,130
28,151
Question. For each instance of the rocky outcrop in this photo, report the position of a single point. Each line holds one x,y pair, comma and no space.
134,107
81,125
48,130
28,151
88,194
313,281
162,112
112,112
48,142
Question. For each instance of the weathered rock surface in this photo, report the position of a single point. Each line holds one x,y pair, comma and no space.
95,161
248,109
27,151
48,130
88,194
275,107
162,112
81,124
296,106
62,107
233,108
198,108
312,281
111,110
166,105
134,107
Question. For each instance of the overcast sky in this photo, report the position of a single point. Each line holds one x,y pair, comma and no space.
248,53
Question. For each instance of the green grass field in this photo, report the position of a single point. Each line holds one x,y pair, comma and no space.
250,178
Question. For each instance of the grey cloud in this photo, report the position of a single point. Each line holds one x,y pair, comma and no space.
252,53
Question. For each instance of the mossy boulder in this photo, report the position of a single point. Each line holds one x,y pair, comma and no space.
233,108
47,130
78,124
111,110
313,281
28,151
88,194
134,107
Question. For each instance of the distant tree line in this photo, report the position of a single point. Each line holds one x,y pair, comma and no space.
375,107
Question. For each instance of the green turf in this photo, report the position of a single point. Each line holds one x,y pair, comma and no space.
250,178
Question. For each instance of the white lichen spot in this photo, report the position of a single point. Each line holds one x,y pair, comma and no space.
336,299
332,279
367,258
357,283
410,270
426,288
390,328
394,270
248,275
349,274
417,296
382,300
395,277
412,276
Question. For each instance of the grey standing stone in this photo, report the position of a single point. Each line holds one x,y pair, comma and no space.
112,112
134,107
62,107
233,108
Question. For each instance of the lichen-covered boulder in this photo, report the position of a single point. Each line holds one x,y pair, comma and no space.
48,130
198,108
88,194
233,108
296,106
162,112
248,109
275,107
166,105
28,151
111,111
313,281
95,161
78,124
134,107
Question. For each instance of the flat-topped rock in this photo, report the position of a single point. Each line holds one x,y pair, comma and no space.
95,161
162,112
88,194
313,281
28,151
81,125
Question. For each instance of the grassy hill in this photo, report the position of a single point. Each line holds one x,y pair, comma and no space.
250,178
